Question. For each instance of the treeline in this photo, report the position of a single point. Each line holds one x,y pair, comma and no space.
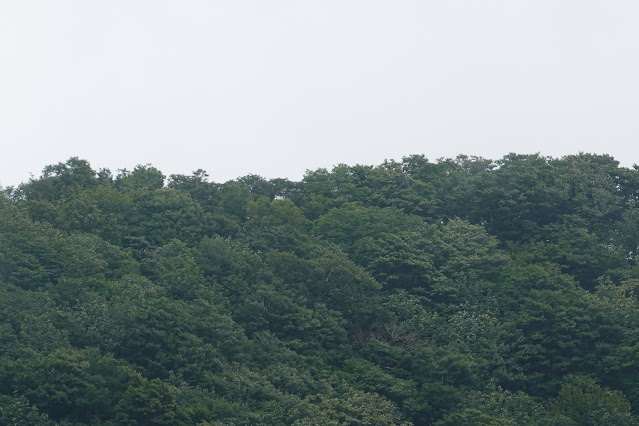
459,292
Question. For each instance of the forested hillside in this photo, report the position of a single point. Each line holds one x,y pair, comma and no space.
459,292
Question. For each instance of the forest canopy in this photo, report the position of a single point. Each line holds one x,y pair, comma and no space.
465,291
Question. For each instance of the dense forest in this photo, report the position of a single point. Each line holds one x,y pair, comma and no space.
464,291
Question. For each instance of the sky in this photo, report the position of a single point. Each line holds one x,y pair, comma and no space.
276,88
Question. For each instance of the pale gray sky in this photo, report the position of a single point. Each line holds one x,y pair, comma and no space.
279,87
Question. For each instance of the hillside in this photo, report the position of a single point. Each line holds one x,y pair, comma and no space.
459,292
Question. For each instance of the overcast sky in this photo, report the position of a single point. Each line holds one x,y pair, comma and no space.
278,87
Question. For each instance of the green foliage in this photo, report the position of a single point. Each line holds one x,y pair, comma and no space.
582,400
501,407
459,292
17,411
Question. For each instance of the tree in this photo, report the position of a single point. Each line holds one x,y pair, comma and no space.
586,403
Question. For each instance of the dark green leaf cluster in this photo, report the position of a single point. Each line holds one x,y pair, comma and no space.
459,292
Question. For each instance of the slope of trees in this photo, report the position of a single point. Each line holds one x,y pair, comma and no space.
459,292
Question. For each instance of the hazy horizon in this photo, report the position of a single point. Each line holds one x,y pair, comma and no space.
278,88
